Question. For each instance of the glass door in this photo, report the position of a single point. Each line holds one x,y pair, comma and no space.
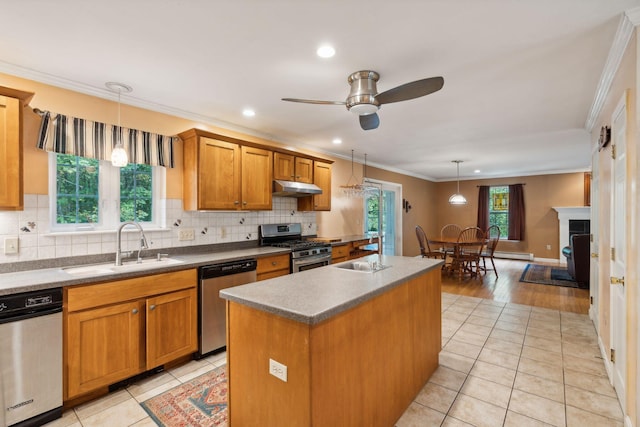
391,211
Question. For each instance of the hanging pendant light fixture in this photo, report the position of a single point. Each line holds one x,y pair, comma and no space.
119,156
457,198
353,188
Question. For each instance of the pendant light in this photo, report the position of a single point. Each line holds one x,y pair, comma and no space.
457,198
353,188
119,156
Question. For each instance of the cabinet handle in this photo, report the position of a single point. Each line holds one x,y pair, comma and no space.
152,307
297,176
274,263
244,203
236,202
134,311
292,176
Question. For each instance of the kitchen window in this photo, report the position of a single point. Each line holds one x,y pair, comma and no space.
89,194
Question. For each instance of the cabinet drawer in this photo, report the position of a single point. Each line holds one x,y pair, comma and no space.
89,296
339,251
273,263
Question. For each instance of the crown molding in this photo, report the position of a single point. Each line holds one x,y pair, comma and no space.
628,21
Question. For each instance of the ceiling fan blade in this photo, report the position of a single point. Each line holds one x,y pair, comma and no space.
411,90
313,101
370,121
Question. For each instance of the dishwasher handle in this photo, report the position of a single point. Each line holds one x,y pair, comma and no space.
30,314
227,268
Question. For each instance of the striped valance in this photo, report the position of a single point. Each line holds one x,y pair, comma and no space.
80,137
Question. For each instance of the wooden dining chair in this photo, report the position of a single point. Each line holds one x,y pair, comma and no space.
493,236
466,257
425,249
450,231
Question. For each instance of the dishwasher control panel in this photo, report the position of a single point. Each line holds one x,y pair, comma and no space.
25,302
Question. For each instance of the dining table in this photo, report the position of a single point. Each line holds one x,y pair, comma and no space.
450,246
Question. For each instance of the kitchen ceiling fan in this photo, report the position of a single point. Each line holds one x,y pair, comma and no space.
364,99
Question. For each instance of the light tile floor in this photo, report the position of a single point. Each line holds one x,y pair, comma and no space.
501,365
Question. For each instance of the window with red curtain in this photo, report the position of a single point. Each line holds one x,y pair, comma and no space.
502,206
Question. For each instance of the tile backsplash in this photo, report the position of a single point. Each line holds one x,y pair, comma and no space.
36,242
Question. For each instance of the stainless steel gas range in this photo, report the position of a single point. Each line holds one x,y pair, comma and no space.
305,254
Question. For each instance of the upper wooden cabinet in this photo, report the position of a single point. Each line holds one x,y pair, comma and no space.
223,175
292,168
12,102
321,178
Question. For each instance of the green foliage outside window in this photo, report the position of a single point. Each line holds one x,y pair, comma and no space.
499,208
77,190
136,192
371,206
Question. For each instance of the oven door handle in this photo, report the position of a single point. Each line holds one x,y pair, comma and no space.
312,259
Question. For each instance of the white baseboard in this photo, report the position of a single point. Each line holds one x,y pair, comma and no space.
607,363
513,255
547,260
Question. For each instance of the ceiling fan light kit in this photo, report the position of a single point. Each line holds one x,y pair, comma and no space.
364,99
457,198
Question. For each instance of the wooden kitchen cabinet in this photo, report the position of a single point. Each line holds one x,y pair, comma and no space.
340,253
225,175
363,247
12,102
115,330
321,178
272,266
292,168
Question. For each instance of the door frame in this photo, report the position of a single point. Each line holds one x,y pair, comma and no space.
397,188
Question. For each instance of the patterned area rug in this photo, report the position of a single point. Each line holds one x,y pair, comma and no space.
547,275
202,402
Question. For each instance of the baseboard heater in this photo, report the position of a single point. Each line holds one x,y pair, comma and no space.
513,255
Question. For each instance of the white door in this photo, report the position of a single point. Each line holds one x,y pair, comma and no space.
618,240
594,271
391,210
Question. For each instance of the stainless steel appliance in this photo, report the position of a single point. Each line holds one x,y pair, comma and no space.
31,357
211,309
305,254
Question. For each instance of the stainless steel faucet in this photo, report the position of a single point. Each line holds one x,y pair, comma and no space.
143,241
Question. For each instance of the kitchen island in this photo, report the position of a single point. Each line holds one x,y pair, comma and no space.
356,347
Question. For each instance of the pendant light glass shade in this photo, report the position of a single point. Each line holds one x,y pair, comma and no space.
119,157
457,198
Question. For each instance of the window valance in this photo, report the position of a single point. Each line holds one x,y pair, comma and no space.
71,135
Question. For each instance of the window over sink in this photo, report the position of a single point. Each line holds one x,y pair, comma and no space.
89,194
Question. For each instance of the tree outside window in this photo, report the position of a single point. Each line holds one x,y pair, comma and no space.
78,198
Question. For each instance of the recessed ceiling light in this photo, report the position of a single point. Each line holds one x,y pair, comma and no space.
337,141
247,112
476,171
326,51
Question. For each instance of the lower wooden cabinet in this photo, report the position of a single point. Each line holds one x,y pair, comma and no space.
115,330
272,266
340,253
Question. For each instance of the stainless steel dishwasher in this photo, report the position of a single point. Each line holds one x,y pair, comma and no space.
31,357
211,308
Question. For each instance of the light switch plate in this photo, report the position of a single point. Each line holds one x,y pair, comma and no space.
10,245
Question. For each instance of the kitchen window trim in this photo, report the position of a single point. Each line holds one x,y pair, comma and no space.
109,203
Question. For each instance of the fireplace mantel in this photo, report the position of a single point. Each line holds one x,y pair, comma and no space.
564,215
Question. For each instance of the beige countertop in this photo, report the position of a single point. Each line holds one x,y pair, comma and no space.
46,278
315,295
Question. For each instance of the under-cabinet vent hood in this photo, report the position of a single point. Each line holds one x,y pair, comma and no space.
294,189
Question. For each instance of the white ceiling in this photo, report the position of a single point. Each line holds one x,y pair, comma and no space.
520,76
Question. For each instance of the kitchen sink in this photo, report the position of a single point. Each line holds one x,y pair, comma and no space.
111,268
361,266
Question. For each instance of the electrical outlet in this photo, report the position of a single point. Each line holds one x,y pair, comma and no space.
187,234
548,247
10,245
278,370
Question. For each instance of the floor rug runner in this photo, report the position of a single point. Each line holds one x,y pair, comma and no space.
547,275
201,402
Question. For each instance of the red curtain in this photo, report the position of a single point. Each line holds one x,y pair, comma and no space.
516,212
483,207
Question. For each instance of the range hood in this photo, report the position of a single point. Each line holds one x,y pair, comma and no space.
294,189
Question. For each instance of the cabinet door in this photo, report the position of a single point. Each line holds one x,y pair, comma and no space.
322,178
102,346
283,166
257,170
10,154
273,266
304,170
172,329
218,174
